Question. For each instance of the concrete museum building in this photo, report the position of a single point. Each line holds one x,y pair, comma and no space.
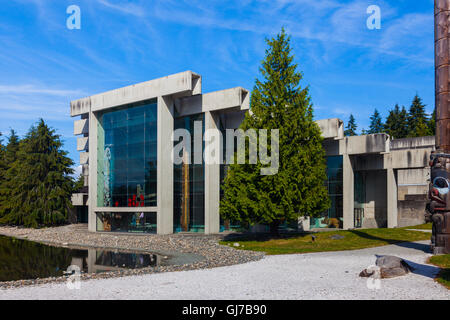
132,184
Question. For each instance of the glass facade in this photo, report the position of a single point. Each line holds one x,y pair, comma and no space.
127,156
333,217
189,184
139,222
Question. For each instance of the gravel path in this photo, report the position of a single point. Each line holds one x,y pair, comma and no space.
329,275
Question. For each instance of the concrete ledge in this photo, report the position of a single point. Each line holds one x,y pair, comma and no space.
413,143
79,199
81,127
82,143
84,157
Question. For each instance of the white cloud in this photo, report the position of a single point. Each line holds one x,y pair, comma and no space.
31,89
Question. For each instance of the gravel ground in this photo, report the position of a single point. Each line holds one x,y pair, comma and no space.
204,249
329,275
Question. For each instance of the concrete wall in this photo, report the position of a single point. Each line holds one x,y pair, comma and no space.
411,210
375,207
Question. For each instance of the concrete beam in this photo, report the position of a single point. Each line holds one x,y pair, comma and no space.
348,192
180,84
373,143
165,165
331,128
230,99
212,178
92,178
392,211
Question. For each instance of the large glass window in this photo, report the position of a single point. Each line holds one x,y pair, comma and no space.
189,185
127,156
333,216
139,222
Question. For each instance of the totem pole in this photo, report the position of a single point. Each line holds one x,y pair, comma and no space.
438,207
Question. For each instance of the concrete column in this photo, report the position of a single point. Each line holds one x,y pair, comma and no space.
164,218
348,192
212,174
93,147
391,189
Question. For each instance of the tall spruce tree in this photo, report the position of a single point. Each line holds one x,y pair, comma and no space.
2,160
397,123
417,119
279,102
432,123
38,182
350,129
376,124
8,172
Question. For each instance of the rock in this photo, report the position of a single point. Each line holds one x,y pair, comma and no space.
389,267
337,237
236,244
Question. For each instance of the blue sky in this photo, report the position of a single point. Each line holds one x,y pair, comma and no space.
349,68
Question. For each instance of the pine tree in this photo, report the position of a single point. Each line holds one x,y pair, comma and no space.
350,130
417,119
279,102
38,182
397,123
376,124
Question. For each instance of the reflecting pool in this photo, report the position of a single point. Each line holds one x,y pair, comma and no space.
23,260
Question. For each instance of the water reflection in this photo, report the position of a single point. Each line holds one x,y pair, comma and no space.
22,260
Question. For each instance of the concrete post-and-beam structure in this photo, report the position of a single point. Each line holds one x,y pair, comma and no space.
379,175
177,96
393,175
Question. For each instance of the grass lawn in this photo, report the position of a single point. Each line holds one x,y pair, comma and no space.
444,263
352,239
425,226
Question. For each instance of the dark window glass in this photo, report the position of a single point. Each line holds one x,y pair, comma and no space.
127,156
189,185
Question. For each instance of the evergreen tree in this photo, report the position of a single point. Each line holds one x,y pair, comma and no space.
350,130
279,102
2,160
38,184
432,123
397,123
78,183
9,156
376,124
417,119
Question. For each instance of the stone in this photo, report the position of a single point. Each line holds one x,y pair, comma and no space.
389,267
337,237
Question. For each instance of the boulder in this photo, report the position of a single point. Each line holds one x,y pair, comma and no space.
389,267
